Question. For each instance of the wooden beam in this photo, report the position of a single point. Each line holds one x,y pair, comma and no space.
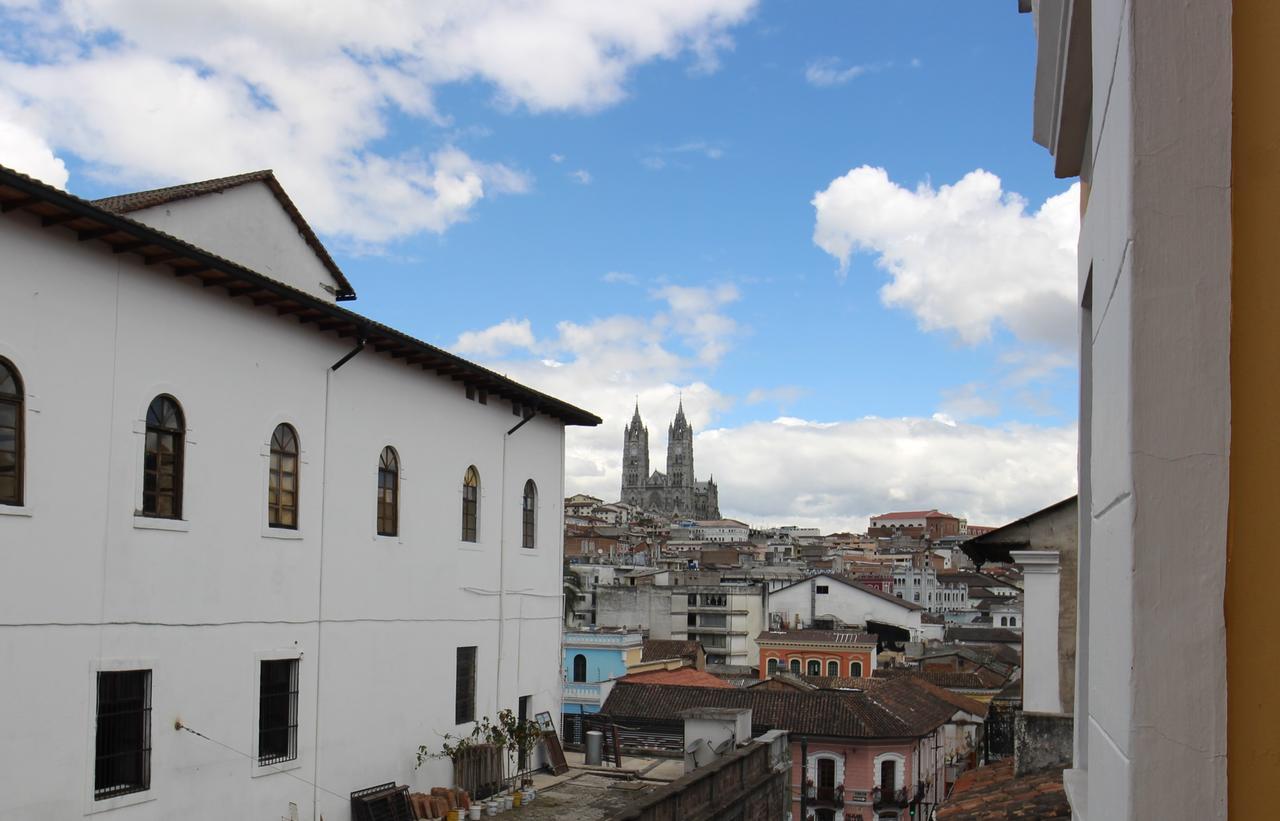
163,257
57,219
13,205
93,233
127,247
285,309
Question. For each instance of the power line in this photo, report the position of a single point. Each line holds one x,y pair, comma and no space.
180,726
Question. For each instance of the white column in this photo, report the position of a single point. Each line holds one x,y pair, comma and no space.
1040,693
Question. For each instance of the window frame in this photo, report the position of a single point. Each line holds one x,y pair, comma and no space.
471,505
94,803
858,664
579,659
293,713
529,516
179,435
19,402
387,513
276,474
467,680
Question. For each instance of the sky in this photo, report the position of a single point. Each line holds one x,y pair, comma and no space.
823,224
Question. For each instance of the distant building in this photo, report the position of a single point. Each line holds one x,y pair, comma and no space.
837,653
915,524
726,620
676,492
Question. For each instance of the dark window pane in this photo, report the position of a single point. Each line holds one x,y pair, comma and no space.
278,711
162,459
122,755
465,691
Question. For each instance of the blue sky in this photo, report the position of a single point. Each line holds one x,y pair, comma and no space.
656,191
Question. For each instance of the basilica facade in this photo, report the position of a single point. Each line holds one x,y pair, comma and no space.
676,493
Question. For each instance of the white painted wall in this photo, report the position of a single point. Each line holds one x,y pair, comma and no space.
376,620
849,604
1040,691
1154,285
245,224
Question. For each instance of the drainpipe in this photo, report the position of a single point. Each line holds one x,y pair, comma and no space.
324,508
502,559
804,779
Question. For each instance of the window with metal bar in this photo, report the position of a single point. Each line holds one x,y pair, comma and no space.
529,516
464,699
470,504
278,711
11,466
389,492
282,480
162,459
122,755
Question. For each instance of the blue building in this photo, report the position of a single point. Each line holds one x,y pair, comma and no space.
593,660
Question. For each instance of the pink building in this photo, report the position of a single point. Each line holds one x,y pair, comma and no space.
868,753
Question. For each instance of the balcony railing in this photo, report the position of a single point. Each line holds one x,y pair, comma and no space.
890,798
829,795
582,693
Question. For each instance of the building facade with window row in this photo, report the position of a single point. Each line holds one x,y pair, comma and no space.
239,506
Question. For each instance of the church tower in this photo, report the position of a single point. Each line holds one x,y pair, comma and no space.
635,460
680,463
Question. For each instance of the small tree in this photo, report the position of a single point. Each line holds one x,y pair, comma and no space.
507,732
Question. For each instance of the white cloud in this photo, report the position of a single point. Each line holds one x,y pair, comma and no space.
619,278
969,401
961,257
582,176
496,340
827,474
835,476
825,72
557,158
661,156
782,395
157,93
24,150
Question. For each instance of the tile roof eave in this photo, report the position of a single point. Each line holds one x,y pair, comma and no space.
32,192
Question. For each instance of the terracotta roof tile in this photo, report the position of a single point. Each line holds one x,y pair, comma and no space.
811,636
992,793
684,677
659,649
890,708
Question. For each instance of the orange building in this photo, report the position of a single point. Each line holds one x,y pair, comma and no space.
817,653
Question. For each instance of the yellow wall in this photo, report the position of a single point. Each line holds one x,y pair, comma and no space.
1253,542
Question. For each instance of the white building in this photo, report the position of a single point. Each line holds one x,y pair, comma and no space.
829,598
249,512
726,619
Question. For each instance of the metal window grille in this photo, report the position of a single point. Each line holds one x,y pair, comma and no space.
282,487
464,700
389,492
10,435
278,711
470,504
162,459
529,518
122,757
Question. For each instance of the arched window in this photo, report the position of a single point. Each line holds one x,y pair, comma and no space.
11,397
815,667
470,504
162,459
833,668
1004,621
389,492
282,479
773,666
795,666
855,669
529,515
579,667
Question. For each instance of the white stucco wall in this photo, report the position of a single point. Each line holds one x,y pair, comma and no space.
1040,691
1154,265
376,620
245,224
849,604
